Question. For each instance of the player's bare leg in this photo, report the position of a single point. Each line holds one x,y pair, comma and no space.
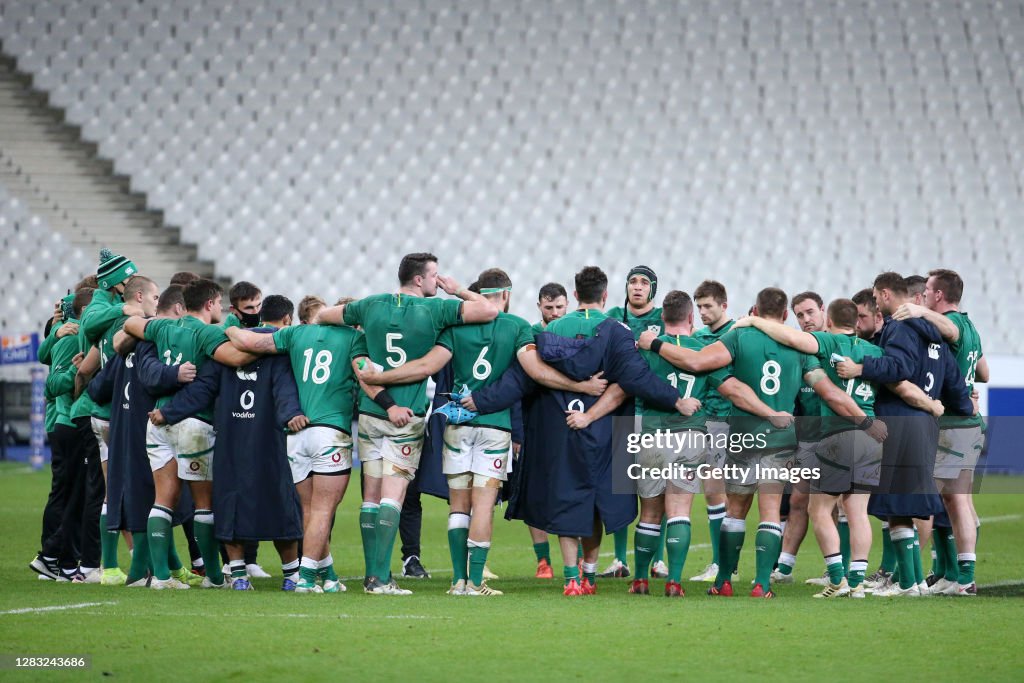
956,495
821,506
795,531
591,552
325,492
481,529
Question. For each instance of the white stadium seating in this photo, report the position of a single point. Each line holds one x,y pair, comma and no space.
37,266
306,145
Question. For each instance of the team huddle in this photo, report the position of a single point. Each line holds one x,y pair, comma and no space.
261,418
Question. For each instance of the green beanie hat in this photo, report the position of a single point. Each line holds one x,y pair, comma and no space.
114,269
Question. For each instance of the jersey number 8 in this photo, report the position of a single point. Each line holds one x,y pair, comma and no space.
770,383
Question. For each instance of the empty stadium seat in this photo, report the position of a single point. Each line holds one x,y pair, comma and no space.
788,142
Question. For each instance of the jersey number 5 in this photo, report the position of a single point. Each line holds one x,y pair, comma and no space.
389,343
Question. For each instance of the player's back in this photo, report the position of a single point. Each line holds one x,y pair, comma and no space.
400,328
856,349
967,352
774,371
579,324
482,353
185,340
320,357
696,385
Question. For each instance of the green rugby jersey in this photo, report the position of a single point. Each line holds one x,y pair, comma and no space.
400,328
649,321
230,320
967,351
538,327
716,407
46,346
859,389
186,340
98,321
482,353
689,385
321,358
578,324
775,372
45,351
106,349
60,383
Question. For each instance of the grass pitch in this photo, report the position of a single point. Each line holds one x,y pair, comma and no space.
530,633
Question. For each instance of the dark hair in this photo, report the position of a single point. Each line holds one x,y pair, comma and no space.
183,277
47,327
474,287
551,290
676,307
771,302
307,307
843,313
713,289
276,308
242,291
591,284
894,282
83,297
949,283
492,278
413,265
866,297
915,284
200,291
804,296
175,294
136,284
88,282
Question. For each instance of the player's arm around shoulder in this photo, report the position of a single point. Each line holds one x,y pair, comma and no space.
136,326
804,342
253,342
712,357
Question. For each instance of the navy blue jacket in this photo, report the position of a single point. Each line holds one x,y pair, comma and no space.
914,351
565,475
123,383
253,494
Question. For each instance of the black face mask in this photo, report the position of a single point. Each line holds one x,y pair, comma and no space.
248,319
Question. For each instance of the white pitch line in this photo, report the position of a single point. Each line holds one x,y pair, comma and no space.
1001,518
17,470
56,608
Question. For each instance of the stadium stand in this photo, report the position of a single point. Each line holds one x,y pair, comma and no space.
37,265
804,144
